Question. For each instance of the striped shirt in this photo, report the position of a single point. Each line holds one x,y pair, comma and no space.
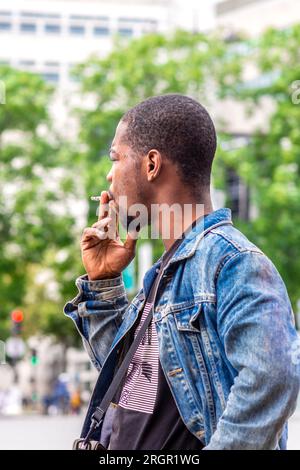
140,387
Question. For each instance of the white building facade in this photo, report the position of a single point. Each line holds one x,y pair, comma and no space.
50,36
254,16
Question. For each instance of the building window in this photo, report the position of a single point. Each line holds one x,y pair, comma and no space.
5,26
51,77
28,27
28,14
52,64
52,28
133,20
27,63
87,17
128,32
101,31
77,30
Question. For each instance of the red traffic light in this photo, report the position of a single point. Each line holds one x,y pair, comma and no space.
17,316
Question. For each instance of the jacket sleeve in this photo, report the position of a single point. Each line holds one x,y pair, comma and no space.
256,326
97,312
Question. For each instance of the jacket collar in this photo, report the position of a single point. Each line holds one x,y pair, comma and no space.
189,244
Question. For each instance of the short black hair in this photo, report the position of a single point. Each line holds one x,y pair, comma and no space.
181,129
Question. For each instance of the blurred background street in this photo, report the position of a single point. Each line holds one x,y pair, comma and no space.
39,432
58,432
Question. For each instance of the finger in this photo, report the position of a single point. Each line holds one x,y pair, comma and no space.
114,215
92,233
103,205
101,224
89,233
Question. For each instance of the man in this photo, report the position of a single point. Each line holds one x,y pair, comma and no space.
215,369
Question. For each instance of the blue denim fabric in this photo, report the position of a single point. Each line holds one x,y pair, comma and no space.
226,334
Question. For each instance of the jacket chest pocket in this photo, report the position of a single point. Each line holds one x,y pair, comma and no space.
200,319
187,315
186,318
194,349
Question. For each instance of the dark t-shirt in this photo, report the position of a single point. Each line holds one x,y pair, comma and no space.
163,429
146,416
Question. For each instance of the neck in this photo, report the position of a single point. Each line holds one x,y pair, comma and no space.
176,217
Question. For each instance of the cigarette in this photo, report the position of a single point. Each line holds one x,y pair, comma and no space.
98,198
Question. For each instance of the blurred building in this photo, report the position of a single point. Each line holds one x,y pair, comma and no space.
36,375
50,36
82,374
254,16
250,18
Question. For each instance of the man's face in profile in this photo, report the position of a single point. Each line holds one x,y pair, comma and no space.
125,178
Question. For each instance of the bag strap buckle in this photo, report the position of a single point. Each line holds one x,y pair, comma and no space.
83,444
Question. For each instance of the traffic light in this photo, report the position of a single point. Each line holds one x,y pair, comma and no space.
34,357
17,317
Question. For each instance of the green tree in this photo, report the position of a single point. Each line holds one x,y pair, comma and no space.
34,219
270,163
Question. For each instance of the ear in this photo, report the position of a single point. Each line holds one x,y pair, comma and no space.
153,164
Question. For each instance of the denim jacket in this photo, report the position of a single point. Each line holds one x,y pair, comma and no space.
226,335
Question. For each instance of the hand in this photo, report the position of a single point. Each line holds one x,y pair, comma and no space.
103,253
